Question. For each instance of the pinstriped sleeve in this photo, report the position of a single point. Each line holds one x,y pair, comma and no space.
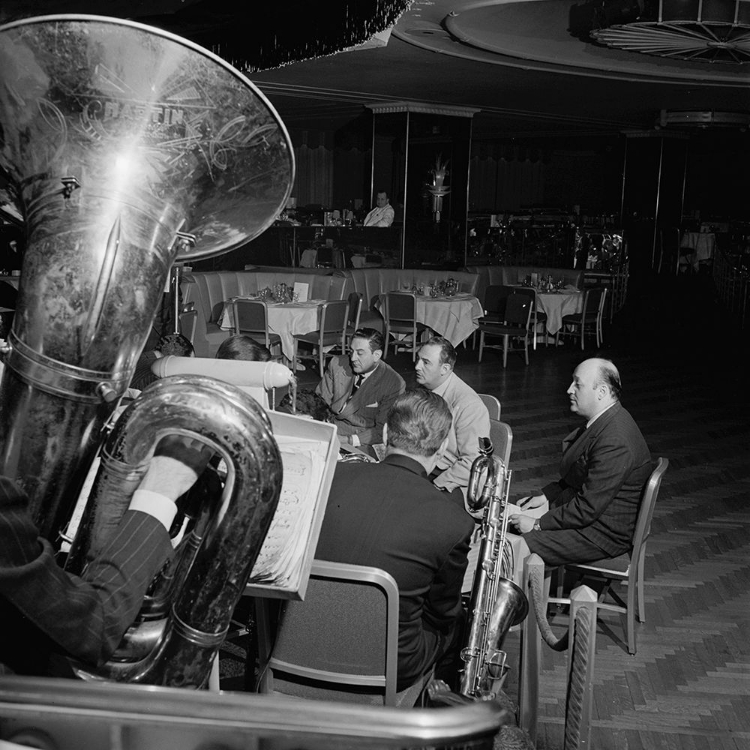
85,616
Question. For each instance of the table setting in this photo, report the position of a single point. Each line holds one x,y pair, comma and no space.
449,313
286,316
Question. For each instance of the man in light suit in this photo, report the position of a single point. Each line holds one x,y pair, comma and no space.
388,515
606,463
383,214
47,613
434,370
360,389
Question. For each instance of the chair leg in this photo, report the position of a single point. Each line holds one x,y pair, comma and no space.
481,345
506,343
294,357
639,584
630,614
526,348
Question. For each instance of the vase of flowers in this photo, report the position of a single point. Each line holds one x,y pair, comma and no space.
437,186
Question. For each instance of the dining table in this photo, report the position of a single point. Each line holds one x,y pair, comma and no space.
558,303
455,318
286,319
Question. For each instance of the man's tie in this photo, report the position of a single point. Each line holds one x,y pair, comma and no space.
357,382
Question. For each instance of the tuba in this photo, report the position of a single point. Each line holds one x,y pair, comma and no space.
497,604
130,151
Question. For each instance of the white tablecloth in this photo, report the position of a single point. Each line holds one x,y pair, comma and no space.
454,318
286,320
701,243
557,304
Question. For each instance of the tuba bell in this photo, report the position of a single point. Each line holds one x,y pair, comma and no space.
130,149
497,604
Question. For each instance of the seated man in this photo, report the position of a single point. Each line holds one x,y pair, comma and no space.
360,390
605,465
383,214
388,515
434,368
47,612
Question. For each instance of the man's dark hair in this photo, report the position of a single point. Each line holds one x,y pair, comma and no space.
374,338
176,344
447,350
418,422
244,347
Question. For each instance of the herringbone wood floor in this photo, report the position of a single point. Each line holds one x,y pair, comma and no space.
688,686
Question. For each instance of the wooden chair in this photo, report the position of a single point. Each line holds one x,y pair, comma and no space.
251,317
492,404
341,642
514,328
590,318
537,316
355,310
627,568
400,315
332,333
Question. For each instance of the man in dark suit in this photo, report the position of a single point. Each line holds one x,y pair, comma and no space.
360,389
389,515
605,465
47,613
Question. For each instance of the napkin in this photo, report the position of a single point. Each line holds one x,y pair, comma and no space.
571,288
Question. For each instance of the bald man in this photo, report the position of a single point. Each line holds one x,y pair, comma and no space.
605,465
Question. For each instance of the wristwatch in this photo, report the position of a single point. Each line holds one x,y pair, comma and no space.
537,526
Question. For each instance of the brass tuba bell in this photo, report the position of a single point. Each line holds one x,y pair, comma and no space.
129,148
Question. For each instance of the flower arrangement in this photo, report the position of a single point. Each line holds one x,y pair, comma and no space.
439,175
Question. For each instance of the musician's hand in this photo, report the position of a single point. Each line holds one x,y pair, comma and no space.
521,523
177,463
531,501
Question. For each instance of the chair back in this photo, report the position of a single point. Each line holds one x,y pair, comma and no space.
355,308
491,403
343,637
400,307
251,317
188,323
593,302
518,310
495,300
501,436
333,318
646,509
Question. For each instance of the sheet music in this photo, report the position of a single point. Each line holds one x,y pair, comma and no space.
284,548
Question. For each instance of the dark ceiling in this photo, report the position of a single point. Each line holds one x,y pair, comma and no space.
526,67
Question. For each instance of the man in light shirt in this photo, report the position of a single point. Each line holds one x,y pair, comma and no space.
383,213
605,464
434,370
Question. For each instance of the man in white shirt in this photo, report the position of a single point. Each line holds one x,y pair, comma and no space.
383,213
434,368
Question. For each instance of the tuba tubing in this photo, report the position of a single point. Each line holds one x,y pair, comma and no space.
212,572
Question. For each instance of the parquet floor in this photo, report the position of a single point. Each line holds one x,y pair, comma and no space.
681,362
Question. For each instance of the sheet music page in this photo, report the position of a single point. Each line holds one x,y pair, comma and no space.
283,550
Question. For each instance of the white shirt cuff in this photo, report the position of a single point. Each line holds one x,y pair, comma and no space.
355,440
159,506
